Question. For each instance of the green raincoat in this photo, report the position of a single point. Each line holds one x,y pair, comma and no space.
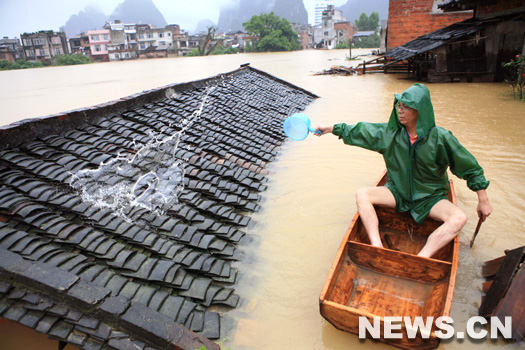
417,173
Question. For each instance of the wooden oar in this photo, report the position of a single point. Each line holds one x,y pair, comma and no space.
480,221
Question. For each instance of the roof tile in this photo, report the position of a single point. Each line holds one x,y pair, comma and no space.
174,260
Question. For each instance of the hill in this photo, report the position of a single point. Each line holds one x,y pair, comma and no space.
129,11
233,16
138,11
89,19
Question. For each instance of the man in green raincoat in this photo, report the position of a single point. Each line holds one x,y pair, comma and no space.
417,154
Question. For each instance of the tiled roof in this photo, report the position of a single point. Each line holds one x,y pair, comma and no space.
136,275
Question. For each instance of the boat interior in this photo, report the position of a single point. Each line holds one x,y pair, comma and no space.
393,281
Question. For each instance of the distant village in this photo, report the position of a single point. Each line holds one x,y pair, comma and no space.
126,41
434,40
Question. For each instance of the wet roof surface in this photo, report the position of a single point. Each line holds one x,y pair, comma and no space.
140,274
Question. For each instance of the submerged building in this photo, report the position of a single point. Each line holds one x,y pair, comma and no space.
119,223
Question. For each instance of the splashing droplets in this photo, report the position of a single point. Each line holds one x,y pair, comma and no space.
150,177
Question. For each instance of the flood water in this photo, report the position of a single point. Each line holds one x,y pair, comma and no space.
310,202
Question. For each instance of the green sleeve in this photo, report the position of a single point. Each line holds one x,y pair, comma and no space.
370,136
464,165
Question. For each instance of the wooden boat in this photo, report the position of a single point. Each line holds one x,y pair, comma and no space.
391,281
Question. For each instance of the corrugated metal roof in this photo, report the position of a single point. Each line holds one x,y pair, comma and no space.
363,34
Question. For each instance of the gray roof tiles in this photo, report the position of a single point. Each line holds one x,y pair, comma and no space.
83,274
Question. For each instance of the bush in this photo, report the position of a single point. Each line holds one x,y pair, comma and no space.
221,50
68,60
516,72
193,52
367,42
4,64
19,64
249,47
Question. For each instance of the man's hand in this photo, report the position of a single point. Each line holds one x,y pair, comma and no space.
320,130
484,207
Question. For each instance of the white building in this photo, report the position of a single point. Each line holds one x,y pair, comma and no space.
325,35
320,6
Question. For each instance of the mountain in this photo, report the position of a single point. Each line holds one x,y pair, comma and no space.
138,11
234,15
203,25
89,19
353,9
129,11
292,10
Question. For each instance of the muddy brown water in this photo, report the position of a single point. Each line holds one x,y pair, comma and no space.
310,199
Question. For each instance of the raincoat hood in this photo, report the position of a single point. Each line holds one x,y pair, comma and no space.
417,172
417,97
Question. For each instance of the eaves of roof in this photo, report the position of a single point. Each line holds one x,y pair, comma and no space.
440,37
462,5
84,275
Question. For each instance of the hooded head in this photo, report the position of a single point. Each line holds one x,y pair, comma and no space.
417,97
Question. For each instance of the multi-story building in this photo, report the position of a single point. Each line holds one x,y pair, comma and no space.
168,38
320,6
99,41
79,44
325,34
306,35
123,44
44,45
10,49
180,39
121,41
344,32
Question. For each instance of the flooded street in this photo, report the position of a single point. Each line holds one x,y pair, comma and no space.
310,202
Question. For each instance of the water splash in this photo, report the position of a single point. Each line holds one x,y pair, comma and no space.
123,184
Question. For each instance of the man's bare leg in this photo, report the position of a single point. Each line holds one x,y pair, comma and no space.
366,198
453,221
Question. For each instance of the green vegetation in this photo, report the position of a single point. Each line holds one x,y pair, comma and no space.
367,42
249,47
365,23
205,48
63,60
19,64
68,60
193,52
515,71
222,50
218,50
275,34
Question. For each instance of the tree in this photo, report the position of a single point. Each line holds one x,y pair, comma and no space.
365,23
275,33
204,44
368,42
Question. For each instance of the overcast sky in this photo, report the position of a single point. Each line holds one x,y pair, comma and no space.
19,16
